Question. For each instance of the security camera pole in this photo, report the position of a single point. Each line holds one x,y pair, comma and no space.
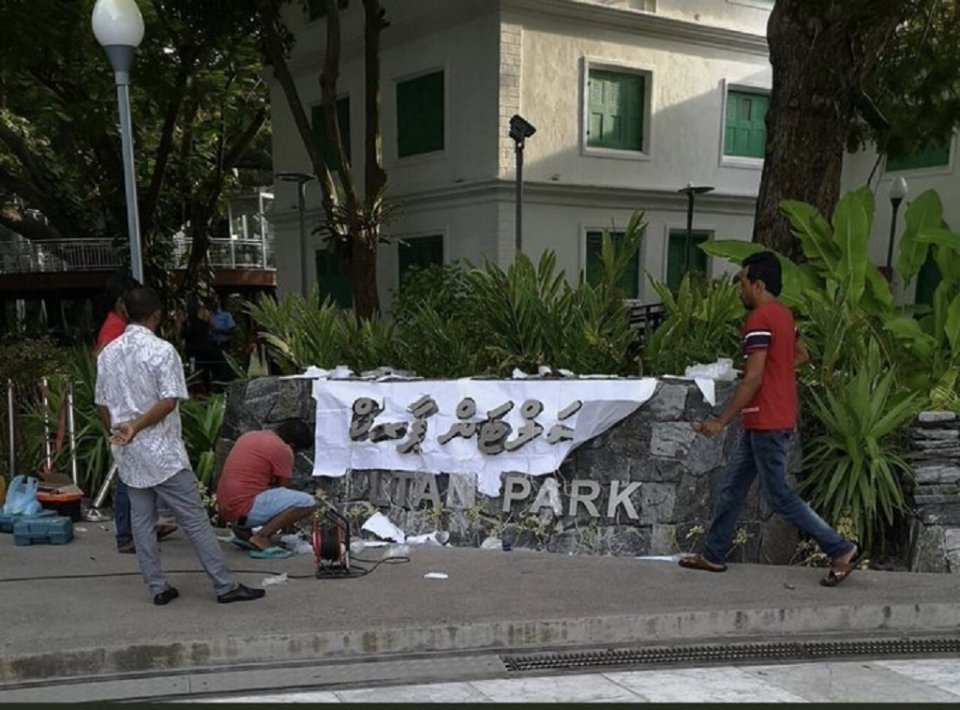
520,130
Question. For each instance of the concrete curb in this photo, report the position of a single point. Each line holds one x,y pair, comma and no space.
497,636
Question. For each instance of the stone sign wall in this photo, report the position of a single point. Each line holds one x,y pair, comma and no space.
935,532
644,487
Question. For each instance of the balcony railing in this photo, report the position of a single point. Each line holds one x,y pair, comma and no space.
23,257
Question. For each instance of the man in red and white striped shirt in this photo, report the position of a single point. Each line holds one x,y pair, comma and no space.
766,400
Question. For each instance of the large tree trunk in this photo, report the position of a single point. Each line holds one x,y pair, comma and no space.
820,51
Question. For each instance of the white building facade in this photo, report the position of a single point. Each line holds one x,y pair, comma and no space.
632,100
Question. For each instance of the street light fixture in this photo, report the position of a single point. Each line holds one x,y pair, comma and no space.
118,27
301,179
520,130
898,190
690,190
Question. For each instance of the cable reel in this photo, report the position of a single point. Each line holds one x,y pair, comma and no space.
331,543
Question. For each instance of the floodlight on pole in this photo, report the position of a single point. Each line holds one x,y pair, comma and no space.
301,179
520,130
118,27
690,191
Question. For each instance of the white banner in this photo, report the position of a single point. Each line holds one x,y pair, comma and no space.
483,427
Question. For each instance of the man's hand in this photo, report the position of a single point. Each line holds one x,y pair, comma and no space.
122,434
710,427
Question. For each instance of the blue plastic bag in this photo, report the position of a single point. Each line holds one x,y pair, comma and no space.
22,497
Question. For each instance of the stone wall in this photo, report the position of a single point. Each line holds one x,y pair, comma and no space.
935,533
644,487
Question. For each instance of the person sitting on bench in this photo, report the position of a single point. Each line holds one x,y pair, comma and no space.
253,490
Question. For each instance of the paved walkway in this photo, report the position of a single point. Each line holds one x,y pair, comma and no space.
80,611
913,681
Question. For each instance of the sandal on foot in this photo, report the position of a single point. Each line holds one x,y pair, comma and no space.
270,553
702,563
839,571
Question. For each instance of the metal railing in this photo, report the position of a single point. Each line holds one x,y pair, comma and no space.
24,257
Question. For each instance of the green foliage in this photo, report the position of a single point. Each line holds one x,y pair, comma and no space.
855,464
459,321
702,325
201,420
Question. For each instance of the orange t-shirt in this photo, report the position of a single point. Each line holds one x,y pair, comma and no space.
255,460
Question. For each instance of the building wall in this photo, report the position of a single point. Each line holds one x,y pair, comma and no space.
531,57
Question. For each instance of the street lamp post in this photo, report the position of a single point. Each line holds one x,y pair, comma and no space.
898,190
690,190
118,27
301,179
520,130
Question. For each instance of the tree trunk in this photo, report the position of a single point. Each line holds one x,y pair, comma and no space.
820,51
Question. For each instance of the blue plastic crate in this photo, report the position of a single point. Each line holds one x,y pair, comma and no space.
7,520
56,530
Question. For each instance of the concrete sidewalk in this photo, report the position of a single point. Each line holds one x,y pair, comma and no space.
60,620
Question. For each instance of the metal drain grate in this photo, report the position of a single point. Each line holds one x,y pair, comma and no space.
730,653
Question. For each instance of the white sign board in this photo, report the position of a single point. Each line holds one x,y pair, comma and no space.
483,427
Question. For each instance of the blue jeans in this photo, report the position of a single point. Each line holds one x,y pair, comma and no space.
270,503
764,454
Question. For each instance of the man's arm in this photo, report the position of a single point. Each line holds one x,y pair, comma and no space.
752,378
125,432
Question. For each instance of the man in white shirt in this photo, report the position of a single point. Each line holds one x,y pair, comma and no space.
140,383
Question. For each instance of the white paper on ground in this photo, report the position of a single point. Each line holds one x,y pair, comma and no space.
275,579
435,575
380,525
660,558
296,544
491,543
437,538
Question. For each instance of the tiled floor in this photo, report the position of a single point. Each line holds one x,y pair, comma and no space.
933,680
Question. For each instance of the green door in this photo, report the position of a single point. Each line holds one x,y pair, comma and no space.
680,260
332,281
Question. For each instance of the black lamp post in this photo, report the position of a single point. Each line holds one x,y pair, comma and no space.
898,190
301,179
520,130
690,190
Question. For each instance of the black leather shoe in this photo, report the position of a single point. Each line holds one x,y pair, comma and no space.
241,593
166,596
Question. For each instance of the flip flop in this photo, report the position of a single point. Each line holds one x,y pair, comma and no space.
270,553
243,544
839,572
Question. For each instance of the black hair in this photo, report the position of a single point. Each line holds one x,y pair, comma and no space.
295,433
117,284
141,303
765,266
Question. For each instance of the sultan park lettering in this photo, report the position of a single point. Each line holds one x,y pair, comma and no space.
418,490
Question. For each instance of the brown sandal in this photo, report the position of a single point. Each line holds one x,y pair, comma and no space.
702,563
839,571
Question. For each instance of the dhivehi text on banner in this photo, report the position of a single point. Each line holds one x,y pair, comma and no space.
483,427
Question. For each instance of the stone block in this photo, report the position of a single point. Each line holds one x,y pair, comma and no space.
658,503
951,545
928,553
704,454
935,472
663,539
778,542
293,400
656,470
668,403
941,435
936,417
672,439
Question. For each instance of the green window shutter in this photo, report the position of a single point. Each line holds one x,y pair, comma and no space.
745,129
332,280
677,260
318,8
936,154
615,107
420,251
319,131
420,115
629,283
